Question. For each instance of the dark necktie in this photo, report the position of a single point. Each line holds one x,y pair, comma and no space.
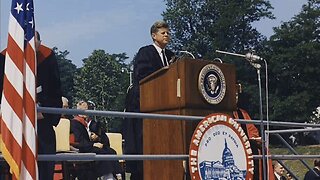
165,62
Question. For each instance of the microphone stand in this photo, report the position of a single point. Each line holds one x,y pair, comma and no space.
257,67
262,128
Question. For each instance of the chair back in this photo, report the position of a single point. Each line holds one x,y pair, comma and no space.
62,131
116,142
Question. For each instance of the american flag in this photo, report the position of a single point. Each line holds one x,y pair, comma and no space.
18,122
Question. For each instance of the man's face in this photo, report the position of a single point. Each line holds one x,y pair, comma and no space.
279,169
83,106
65,105
162,37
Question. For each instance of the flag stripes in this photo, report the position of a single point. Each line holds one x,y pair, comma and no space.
18,104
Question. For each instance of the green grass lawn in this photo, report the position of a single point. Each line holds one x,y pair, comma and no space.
295,165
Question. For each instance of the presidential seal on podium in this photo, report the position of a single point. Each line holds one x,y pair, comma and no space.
212,84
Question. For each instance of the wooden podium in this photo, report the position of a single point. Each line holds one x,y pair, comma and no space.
174,90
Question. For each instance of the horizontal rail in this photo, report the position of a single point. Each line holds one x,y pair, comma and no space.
163,116
287,157
292,130
118,114
99,157
96,157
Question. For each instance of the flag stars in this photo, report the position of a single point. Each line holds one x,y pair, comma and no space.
32,23
18,7
27,7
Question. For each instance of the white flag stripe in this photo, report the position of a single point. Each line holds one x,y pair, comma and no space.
16,31
29,131
11,120
14,75
24,173
30,78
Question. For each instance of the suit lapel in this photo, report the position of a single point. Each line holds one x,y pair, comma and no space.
156,58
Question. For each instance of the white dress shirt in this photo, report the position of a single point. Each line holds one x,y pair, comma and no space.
159,50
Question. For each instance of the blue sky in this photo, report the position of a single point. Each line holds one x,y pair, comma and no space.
117,26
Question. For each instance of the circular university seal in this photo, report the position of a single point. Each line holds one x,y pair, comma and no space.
212,84
220,149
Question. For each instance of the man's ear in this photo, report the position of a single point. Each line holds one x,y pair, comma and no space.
153,35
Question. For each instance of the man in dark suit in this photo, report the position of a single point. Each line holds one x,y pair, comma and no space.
310,175
148,60
48,95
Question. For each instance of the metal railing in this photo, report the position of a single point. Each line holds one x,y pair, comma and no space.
95,157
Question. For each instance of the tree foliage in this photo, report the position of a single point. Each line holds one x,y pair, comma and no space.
102,80
202,26
294,52
67,71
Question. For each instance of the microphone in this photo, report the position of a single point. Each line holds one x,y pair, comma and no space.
249,56
179,56
187,52
253,58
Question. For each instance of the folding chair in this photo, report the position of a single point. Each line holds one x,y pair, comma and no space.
62,131
115,140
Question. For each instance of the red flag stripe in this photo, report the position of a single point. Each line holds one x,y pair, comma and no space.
13,98
10,143
30,59
30,110
16,54
28,159
29,131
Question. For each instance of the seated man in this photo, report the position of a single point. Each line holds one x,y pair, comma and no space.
79,128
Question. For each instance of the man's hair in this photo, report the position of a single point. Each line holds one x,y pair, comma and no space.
317,162
82,105
275,164
157,25
64,99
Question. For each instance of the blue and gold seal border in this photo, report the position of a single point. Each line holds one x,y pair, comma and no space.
212,84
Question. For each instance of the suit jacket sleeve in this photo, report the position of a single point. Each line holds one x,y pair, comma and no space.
105,140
